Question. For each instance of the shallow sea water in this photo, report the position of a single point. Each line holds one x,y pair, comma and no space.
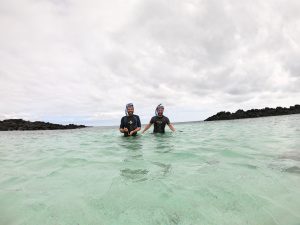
211,173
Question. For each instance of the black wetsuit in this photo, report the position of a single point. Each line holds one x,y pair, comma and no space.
131,123
159,123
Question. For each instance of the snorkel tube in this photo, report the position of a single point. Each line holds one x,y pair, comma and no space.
160,106
126,108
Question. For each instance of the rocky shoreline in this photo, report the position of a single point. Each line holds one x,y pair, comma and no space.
20,124
254,113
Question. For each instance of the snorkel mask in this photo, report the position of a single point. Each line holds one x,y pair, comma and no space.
160,106
126,108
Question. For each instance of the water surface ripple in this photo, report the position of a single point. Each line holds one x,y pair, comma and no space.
225,172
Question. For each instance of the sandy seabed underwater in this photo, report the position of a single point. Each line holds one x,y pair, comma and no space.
211,173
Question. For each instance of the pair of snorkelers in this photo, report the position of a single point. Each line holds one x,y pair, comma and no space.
131,124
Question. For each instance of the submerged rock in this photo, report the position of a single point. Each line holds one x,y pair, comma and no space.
253,113
19,124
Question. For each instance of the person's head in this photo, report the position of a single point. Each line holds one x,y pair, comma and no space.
159,110
129,109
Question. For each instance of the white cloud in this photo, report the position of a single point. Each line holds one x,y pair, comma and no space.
86,59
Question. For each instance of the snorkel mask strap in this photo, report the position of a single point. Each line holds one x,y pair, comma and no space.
126,108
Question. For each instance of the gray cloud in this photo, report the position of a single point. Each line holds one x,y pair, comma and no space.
85,60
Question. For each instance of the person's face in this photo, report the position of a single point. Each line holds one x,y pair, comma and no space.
160,111
130,110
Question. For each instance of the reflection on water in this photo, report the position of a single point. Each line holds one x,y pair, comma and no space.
293,169
133,168
163,142
135,175
293,155
225,172
165,168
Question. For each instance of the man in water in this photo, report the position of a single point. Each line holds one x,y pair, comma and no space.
130,124
159,121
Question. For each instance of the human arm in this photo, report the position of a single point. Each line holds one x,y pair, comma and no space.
123,129
134,131
146,127
171,127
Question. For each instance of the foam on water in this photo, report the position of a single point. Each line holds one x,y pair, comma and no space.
224,172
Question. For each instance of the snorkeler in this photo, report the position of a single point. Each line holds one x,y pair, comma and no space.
159,121
130,124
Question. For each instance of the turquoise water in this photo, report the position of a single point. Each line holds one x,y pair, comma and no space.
224,172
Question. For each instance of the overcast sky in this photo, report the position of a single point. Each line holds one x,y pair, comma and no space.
81,61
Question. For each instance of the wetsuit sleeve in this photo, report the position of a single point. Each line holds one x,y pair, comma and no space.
152,120
167,120
138,122
122,125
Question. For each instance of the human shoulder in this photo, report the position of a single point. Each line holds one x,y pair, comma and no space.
153,119
166,119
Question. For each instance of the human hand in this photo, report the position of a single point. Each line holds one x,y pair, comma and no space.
131,133
125,130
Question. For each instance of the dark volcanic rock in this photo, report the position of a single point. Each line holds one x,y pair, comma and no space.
253,113
19,124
